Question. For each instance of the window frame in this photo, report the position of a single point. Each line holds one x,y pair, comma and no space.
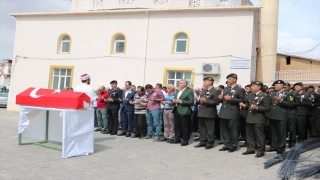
51,75
175,40
114,41
60,43
118,41
168,69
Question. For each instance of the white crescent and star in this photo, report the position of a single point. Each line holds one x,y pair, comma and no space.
33,93
56,91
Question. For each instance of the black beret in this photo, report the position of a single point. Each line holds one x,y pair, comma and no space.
298,84
208,78
114,81
287,84
312,87
278,82
264,88
257,83
248,85
221,86
232,75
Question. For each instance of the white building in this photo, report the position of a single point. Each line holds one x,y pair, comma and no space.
143,41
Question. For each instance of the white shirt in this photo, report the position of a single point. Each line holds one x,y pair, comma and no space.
180,92
95,102
88,90
165,94
127,92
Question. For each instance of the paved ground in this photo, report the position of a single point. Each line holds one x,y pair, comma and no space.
124,158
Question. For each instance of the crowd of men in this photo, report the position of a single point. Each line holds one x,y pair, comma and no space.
256,114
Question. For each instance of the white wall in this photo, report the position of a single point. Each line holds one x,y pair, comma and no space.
212,33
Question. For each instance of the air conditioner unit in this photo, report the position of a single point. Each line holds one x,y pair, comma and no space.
210,68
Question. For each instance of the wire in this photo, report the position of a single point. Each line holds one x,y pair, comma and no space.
137,58
299,52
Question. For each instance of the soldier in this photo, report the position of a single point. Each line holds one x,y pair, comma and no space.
243,116
113,106
303,102
278,117
230,112
312,111
207,113
258,104
292,116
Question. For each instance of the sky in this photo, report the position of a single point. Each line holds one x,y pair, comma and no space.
298,28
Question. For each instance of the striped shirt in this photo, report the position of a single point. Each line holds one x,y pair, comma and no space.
138,109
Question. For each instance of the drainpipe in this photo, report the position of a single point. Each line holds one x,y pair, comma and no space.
146,50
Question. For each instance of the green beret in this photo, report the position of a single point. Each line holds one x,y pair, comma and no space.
259,83
208,79
233,75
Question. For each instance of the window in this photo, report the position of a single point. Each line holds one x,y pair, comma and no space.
64,44
181,43
60,76
173,77
119,43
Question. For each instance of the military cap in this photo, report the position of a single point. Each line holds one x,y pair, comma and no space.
232,75
208,79
278,82
114,81
298,84
259,83
287,84
264,88
221,86
248,85
312,87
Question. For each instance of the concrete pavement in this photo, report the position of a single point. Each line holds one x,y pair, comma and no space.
124,158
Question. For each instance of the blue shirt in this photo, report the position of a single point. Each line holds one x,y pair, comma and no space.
169,98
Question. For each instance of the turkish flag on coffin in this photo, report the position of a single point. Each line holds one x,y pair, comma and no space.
53,98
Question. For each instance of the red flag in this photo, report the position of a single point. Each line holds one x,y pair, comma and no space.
53,98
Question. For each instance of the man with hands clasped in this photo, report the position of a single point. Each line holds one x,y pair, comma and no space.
280,102
258,104
230,113
207,113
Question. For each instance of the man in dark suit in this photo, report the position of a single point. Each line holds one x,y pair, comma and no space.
303,103
127,110
312,111
317,99
230,112
292,116
183,101
113,106
278,115
207,113
258,104
243,116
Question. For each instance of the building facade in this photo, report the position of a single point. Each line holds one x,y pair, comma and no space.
298,69
143,45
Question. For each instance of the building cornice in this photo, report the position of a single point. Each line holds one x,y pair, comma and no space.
137,10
